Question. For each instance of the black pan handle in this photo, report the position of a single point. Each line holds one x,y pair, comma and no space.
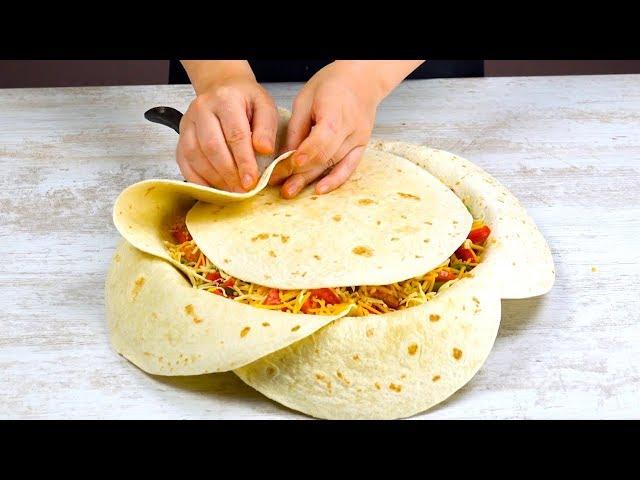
165,116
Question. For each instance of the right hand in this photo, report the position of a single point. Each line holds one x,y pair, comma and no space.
228,119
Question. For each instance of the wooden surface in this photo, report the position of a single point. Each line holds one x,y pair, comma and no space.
567,147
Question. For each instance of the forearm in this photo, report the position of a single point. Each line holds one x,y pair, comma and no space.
204,73
385,75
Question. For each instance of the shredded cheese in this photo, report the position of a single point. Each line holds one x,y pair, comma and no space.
369,300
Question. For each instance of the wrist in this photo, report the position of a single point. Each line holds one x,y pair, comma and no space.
204,74
382,76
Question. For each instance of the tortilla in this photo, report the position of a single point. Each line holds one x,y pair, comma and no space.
519,255
143,211
165,327
389,222
401,363
384,366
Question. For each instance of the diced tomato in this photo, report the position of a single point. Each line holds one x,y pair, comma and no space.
180,233
307,305
479,235
325,294
229,282
273,297
217,292
191,254
445,276
213,276
466,255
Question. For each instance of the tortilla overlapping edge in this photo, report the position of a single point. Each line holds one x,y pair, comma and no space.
402,363
159,322
519,255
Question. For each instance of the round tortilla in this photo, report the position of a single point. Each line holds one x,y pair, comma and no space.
390,221
519,255
159,322
384,366
402,363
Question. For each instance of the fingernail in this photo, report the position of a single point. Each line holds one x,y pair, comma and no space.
300,160
247,181
267,144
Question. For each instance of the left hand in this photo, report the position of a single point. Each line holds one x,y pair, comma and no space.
331,123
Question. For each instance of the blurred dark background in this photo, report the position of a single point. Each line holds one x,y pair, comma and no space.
67,73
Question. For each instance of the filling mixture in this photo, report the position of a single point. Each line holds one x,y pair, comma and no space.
369,300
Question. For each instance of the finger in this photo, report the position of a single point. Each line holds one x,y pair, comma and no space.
282,171
351,142
341,172
320,147
213,146
294,184
298,128
189,173
287,167
264,124
299,124
189,153
237,134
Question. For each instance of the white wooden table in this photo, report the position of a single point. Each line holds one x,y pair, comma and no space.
567,147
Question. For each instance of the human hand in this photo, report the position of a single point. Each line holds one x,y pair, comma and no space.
230,117
332,120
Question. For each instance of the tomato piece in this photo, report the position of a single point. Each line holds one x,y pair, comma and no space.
466,255
180,233
308,304
273,297
445,276
190,253
479,235
326,294
229,282
213,276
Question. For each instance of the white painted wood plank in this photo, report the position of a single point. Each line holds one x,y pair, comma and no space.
568,147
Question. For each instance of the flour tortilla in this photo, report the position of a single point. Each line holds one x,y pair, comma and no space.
159,322
519,256
384,366
389,222
144,211
401,363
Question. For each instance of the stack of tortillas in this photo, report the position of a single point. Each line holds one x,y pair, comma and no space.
404,212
